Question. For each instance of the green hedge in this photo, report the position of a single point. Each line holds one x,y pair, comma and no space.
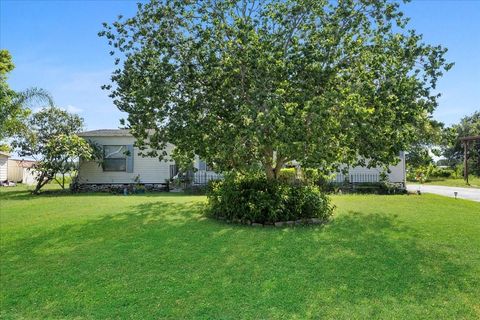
257,200
442,173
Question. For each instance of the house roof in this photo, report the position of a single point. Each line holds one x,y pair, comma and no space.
106,133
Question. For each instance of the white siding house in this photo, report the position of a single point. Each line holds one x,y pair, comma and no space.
4,165
123,165
397,173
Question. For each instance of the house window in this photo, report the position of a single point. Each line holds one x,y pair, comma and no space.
203,166
115,158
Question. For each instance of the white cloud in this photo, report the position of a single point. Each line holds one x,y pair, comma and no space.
69,108
73,109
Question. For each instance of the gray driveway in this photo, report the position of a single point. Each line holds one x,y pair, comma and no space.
463,193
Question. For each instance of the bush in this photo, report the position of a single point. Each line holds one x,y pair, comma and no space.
426,173
323,181
258,200
442,173
288,175
420,174
411,175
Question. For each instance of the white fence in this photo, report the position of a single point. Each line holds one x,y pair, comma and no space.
357,177
202,177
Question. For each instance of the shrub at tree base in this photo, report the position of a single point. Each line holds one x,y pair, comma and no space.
258,200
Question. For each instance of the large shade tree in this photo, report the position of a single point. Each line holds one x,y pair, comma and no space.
255,84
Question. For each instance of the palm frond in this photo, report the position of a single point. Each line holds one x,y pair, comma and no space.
33,96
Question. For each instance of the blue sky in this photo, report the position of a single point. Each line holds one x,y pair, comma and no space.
55,46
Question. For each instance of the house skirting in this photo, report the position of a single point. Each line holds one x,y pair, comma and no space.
119,187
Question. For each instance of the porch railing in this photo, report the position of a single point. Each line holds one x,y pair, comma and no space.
356,177
203,177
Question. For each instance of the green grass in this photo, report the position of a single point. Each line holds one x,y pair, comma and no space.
474,182
96,256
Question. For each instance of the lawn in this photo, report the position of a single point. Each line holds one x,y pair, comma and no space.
474,182
102,256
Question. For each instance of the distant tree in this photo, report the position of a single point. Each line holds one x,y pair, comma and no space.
453,150
6,63
52,140
14,105
430,138
256,84
418,156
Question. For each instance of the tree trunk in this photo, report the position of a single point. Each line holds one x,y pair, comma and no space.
41,182
268,164
278,166
478,157
270,172
61,184
273,171
39,185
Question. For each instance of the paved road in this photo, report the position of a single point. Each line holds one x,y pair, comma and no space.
464,193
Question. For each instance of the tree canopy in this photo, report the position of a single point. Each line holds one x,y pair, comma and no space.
255,84
429,142
6,94
52,140
14,105
453,150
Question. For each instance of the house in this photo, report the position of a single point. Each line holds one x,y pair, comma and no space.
396,174
122,165
16,170
4,165
21,171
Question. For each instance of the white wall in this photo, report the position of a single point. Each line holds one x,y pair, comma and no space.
363,174
29,177
151,170
15,172
3,167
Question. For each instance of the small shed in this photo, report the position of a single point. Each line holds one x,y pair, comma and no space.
20,171
4,165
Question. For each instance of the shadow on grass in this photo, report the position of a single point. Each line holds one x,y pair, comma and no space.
166,260
22,193
26,194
